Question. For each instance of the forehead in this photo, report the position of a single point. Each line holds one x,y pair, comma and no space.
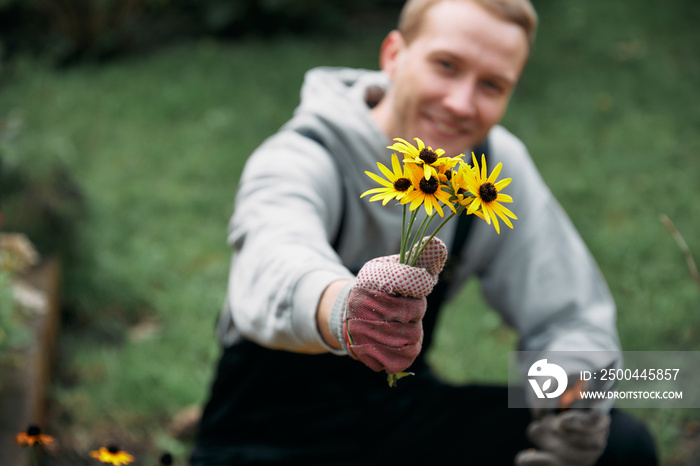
466,30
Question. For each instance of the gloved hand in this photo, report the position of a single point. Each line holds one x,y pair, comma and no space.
574,437
379,320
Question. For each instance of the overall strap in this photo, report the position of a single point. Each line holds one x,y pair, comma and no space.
306,132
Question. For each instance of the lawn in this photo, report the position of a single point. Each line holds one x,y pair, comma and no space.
609,107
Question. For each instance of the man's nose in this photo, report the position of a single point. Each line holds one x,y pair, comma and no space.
460,99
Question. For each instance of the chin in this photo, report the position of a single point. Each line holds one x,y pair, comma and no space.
456,147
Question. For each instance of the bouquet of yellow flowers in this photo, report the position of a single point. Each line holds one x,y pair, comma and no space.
430,179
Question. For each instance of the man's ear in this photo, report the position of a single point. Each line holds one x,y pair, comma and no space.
390,52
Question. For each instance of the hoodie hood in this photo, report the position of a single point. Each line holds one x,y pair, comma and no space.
335,109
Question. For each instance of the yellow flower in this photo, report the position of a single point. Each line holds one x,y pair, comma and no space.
428,193
446,165
31,436
397,186
112,455
487,195
430,160
459,187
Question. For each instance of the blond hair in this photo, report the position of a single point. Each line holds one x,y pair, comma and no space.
520,12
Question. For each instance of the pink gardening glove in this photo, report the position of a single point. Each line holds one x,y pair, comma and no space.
383,311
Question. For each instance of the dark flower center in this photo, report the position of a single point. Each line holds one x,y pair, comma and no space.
429,186
488,192
113,449
428,156
166,459
33,431
448,175
402,184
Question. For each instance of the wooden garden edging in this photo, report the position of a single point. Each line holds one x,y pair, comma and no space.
26,383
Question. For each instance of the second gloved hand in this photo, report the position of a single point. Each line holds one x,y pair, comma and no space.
379,320
574,437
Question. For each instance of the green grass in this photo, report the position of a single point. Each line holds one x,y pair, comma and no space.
157,143
608,107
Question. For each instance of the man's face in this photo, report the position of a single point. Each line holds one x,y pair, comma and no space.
452,82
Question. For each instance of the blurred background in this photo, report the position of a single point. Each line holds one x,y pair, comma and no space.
124,125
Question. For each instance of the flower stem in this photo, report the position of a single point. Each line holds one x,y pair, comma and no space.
413,255
405,234
402,249
444,222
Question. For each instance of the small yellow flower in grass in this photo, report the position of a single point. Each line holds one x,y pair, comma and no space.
112,455
487,195
427,192
430,161
33,436
396,186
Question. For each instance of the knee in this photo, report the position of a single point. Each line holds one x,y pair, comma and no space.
630,442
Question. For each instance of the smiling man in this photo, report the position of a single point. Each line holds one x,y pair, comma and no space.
452,77
317,304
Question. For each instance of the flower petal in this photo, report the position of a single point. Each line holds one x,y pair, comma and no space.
474,206
502,184
386,172
497,208
503,198
496,225
373,190
428,205
487,215
436,203
506,211
396,166
494,174
379,179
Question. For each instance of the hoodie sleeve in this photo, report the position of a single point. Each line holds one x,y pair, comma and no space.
540,276
287,209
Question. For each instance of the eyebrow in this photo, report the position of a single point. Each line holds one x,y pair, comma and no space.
438,54
503,80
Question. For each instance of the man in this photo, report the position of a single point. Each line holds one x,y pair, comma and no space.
309,321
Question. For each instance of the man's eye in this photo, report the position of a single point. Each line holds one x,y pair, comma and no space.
447,65
493,86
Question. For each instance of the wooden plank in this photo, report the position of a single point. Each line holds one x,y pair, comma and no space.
27,379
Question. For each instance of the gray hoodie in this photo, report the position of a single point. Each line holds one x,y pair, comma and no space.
539,277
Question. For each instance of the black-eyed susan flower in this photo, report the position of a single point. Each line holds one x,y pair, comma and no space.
396,185
427,192
112,455
430,161
444,170
458,186
487,194
33,436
